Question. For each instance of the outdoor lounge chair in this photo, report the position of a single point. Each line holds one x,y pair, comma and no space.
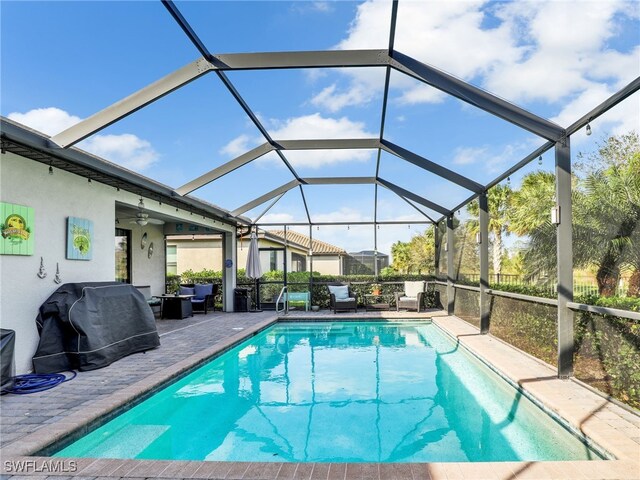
203,296
341,297
411,298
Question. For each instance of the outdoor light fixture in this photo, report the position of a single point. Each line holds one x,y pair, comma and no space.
141,221
478,238
446,247
89,179
193,237
555,215
508,179
588,129
50,168
540,160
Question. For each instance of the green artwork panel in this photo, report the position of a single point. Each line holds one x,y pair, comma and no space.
17,227
79,238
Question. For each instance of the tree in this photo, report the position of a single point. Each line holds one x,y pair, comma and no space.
530,216
610,212
499,199
422,251
401,256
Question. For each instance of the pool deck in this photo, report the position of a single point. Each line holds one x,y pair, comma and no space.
29,423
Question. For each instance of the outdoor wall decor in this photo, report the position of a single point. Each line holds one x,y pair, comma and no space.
143,241
16,228
42,273
150,251
79,239
57,278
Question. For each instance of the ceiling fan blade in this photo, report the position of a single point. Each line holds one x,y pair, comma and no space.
155,221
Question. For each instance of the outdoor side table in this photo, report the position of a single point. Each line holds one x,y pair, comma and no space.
377,302
176,306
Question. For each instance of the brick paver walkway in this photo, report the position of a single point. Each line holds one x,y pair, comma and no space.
23,414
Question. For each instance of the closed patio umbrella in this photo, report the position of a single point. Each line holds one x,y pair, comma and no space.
254,268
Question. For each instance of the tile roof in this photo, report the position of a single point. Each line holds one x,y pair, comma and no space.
304,241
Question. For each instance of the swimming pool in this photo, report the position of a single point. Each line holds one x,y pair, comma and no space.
337,392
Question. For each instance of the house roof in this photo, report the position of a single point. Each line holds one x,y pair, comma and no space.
319,247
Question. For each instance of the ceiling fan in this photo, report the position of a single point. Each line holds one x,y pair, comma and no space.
142,217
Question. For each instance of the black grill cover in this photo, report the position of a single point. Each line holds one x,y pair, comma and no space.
85,326
7,365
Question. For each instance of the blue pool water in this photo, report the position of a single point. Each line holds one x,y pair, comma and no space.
337,392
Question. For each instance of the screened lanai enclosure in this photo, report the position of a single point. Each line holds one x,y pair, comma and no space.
343,148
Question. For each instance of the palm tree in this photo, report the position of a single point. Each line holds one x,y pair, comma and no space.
611,212
499,199
530,216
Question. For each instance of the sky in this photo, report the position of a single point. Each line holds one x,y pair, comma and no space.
63,61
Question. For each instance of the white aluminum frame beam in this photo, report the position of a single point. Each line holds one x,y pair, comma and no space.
132,103
265,198
225,168
300,59
329,144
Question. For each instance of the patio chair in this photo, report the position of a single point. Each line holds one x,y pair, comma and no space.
411,297
341,297
203,296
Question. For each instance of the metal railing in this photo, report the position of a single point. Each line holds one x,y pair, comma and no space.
285,303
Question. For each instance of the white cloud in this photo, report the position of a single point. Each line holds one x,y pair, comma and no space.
621,119
533,51
322,6
126,149
239,145
332,101
468,155
49,121
494,158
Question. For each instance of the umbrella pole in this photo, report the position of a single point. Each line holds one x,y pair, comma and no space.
257,305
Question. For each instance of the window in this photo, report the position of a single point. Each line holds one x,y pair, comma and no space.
172,259
298,262
123,255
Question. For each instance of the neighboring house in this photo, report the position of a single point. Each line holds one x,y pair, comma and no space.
327,259
202,251
363,263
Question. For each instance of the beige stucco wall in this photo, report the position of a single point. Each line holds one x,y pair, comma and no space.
327,264
53,198
197,255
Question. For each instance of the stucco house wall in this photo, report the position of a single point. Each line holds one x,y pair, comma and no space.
53,198
327,264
